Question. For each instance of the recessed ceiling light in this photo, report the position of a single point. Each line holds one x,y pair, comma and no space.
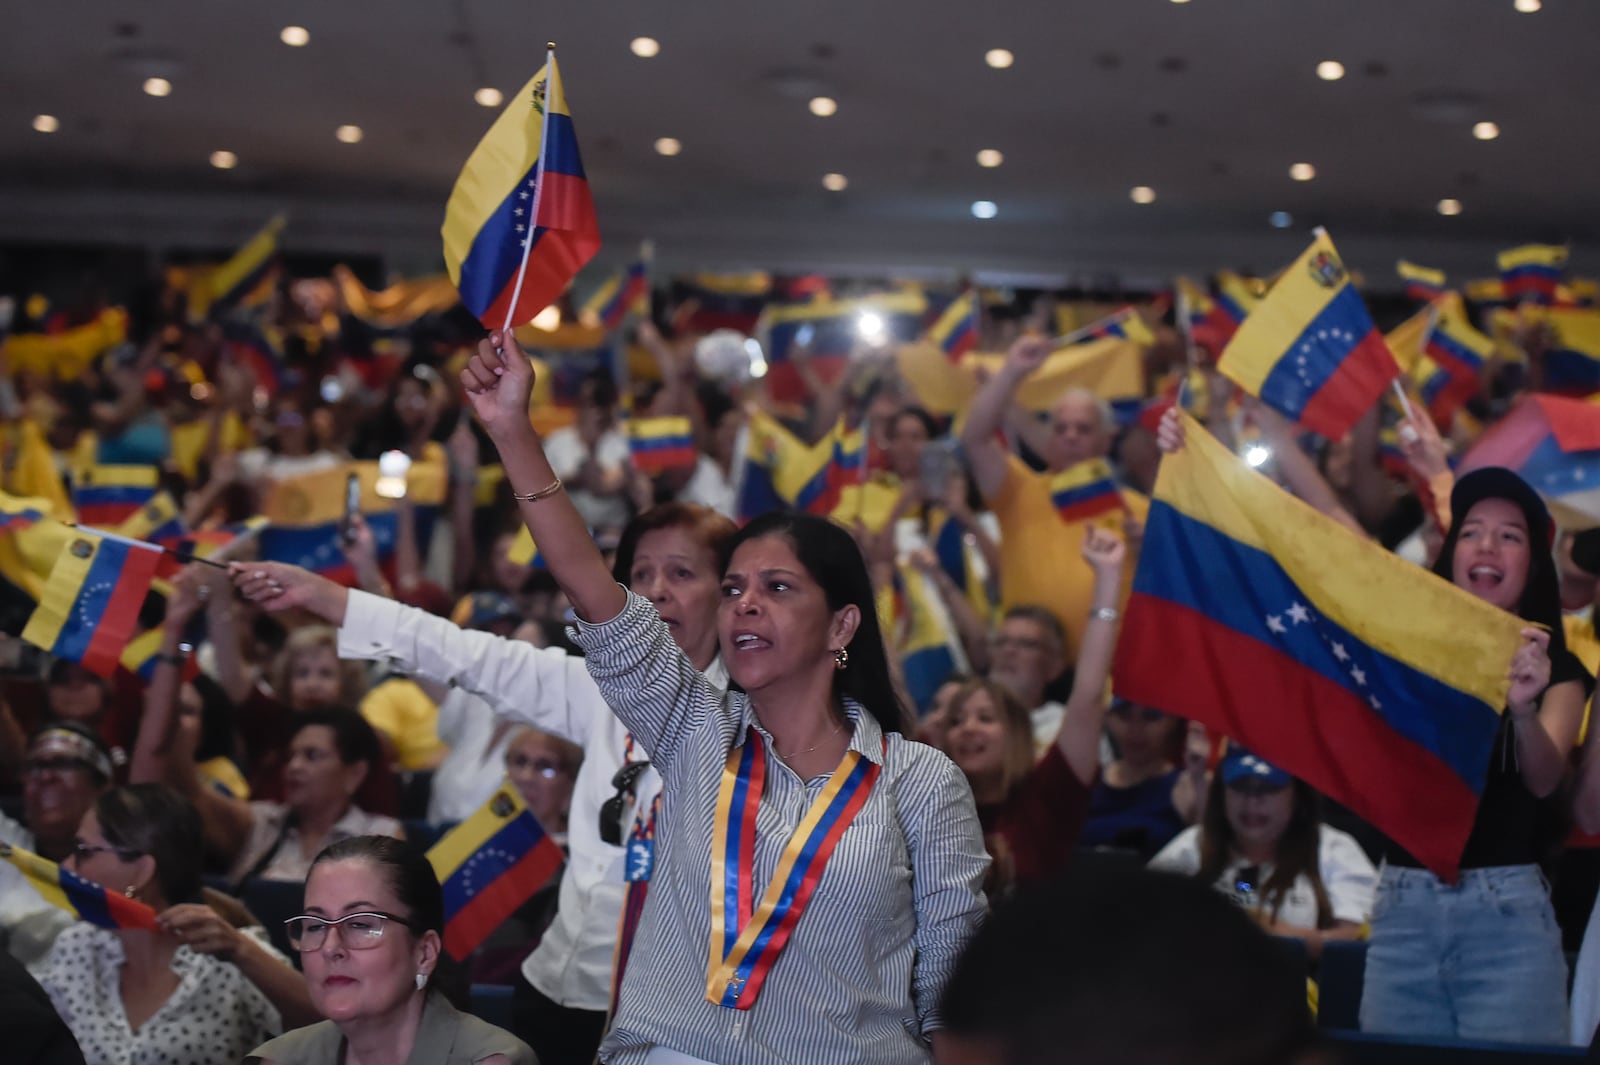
834,182
46,123
349,134
1180,1
1449,207
999,58
1302,171
1280,219
488,96
990,157
295,36
1142,194
224,160
645,47
1330,70
157,87
668,146
1527,7
823,106
1486,131
984,209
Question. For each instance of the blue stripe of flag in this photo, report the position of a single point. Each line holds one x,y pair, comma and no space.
513,841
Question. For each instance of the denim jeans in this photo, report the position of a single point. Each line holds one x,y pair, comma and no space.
1478,960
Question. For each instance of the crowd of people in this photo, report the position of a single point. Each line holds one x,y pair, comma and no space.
777,846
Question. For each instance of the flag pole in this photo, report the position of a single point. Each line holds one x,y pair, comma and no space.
538,187
128,541
1433,323
1084,332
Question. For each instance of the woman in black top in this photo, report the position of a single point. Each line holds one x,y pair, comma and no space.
1482,958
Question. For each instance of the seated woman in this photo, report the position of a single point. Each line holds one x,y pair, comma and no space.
1142,798
370,943
196,989
1261,841
1032,813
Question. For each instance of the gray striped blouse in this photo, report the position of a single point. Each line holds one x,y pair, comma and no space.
861,978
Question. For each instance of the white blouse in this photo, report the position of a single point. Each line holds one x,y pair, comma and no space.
215,1017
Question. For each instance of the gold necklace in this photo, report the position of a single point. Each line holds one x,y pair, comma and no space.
837,725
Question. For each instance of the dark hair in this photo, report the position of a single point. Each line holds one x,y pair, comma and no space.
1541,594
1131,968
832,559
217,714
602,389
1045,618
155,820
929,426
1299,849
406,869
712,529
354,739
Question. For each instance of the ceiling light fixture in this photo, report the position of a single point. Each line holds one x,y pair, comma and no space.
488,96
668,146
1486,131
224,160
1142,194
295,36
1449,208
157,87
823,106
999,58
984,209
1302,171
1527,7
1280,219
991,158
349,134
645,47
835,182
1330,70
46,123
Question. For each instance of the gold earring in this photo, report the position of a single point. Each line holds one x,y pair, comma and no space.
841,658
130,892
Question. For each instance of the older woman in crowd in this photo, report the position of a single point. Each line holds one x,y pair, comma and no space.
195,989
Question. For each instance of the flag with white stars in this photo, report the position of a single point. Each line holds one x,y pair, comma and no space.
91,604
1377,682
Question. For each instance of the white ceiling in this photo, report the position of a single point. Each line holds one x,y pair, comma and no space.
1209,102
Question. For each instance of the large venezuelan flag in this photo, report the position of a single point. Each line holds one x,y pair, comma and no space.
303,515
833,326
82,898
1310,350
107,496
92,601
1532,272
781,472
1373,680
490,219
488,865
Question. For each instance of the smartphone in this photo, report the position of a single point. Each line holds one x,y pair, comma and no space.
352,507
392,469
937,464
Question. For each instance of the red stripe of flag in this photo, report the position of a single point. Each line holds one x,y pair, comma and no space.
115,626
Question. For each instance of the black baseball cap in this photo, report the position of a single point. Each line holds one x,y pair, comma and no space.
1497,482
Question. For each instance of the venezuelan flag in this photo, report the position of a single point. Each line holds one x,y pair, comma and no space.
1207,323
1237,295
621,295
241,277
517,202
1110,367
657,444
707,302
834,327
107,496
157,521
956,331
144,651
249,345
1532,272
524,552
489,865
1085,492
923,636
844,466
780,472
1270,623
949,545
769,449
91,604
1310,350
1422,284
303,515
17,514
1572,363
82,898
1124,325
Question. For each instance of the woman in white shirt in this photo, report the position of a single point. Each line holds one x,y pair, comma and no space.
1261,842
196,990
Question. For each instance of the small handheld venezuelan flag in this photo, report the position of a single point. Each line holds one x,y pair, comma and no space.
1533,272
107,496
657,444
1086,492
82,898
488,865
91,603
956,331
520,222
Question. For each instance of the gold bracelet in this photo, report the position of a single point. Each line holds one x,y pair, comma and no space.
544,493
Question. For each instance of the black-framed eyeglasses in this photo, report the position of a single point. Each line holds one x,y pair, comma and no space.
611,811
82,851
357,931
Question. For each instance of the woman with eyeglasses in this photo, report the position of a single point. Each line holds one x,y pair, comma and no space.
1262,842
371,945
670,555
818,873
195,989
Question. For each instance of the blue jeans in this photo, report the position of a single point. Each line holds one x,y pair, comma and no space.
1480,960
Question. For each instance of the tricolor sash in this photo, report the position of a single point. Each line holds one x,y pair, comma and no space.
746,940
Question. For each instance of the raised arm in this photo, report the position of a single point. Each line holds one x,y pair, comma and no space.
1085,714
987,415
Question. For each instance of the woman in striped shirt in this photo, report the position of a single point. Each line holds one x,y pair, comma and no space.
819,874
